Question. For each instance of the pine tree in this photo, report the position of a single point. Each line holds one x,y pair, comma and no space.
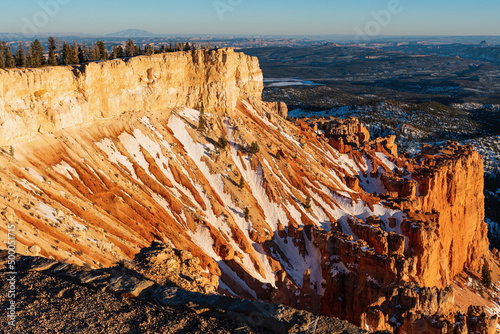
58,51
308,202
76,52
121,52
117,51
29,57
52,61
93,53
278,155
130,49
10,61
2,54
201,121
187,47
247,214
40,52
68,55
37,58
486,275
102,53
20,56
254,148
171,47
241,185
148,50
222,143
83,54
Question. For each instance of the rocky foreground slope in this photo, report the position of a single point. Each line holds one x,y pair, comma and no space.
66,298
101,160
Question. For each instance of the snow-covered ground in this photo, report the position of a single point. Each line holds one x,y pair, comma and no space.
271,82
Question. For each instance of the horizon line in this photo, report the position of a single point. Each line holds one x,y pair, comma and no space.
240,34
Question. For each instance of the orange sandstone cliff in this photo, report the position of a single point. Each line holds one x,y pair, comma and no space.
52,98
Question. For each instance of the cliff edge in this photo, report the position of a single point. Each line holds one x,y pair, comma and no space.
53,98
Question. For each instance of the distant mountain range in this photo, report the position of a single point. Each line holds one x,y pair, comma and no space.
486,41
10,36
128,33
132,33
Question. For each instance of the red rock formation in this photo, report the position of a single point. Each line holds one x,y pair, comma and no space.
349,132
278,108
455,237
441,192
386,145
352,182
475,321
446,184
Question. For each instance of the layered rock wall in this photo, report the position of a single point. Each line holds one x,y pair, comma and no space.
52,98
450,234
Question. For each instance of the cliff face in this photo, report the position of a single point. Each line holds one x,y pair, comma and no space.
441,191
442,234
341,226
53,98
452,235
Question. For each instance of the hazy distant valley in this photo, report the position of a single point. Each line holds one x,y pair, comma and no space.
421,93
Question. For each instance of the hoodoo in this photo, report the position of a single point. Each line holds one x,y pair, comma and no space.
103,159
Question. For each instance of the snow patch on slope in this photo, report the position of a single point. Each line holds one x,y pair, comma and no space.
66,170
196,151
114,155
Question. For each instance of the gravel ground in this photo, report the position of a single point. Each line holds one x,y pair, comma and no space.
46,304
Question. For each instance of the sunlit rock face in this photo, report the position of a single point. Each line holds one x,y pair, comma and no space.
51,98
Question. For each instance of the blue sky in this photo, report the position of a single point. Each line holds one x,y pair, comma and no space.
259,17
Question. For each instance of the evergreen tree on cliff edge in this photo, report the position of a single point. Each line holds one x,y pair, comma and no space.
20,56
2,54
52,61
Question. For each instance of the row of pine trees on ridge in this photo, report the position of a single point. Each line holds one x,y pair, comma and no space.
71,54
